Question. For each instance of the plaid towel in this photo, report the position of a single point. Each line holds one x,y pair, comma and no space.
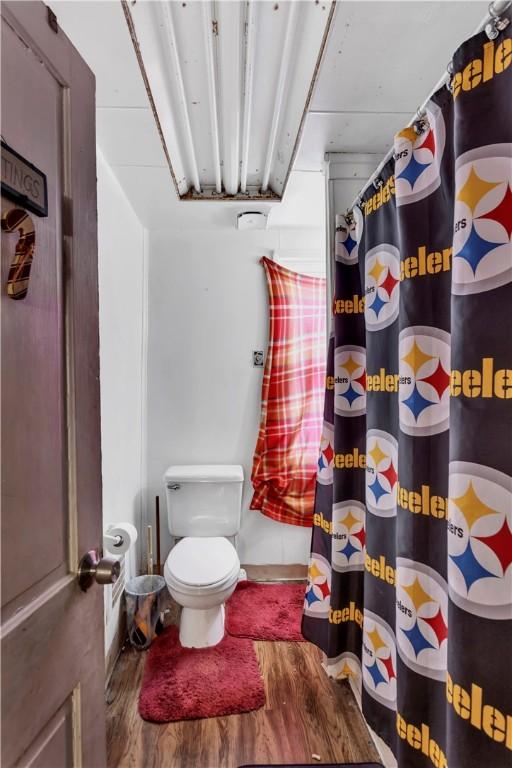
286,455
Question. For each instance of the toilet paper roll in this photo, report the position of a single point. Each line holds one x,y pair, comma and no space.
119,538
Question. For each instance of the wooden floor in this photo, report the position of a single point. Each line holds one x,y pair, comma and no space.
305,713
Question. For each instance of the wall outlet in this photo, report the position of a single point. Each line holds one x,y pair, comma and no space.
258,358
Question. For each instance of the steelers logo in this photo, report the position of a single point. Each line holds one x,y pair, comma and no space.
418,158
482,245
346,666
348,237
480,540
381,472
326,458
379,660
421,618
424,380
348,536
350,381
382,284
317,600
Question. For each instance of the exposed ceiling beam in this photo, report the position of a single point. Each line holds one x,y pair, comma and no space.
250,32
280,93
229,20
210,32
175,56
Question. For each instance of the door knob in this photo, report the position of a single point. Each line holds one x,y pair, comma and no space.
102,570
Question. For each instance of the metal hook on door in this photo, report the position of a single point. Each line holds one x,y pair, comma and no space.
18,220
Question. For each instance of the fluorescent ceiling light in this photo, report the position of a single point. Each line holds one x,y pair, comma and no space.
229,84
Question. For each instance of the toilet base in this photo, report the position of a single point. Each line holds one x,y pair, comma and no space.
201,628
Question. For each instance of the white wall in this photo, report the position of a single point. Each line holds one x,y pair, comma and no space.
207,312
121,302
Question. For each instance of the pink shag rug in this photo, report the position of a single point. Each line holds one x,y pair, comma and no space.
266,611
189,683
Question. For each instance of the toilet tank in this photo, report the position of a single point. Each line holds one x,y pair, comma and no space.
204,500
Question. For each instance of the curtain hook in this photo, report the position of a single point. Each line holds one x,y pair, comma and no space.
340,221
421,122
449,70
496,25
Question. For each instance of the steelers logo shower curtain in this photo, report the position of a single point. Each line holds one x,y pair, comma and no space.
409,590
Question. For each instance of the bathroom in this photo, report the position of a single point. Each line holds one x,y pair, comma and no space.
166,410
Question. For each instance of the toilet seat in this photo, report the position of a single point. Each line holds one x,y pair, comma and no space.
202,564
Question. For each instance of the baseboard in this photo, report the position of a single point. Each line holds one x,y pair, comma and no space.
115,647
276,572
385,753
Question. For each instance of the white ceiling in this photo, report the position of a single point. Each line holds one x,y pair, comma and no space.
381,61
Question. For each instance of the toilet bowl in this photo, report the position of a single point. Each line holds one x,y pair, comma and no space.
201,574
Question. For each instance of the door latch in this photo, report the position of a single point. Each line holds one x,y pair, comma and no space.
102,570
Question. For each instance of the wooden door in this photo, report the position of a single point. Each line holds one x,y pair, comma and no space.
52,632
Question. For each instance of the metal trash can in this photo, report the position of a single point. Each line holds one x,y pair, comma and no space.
145,605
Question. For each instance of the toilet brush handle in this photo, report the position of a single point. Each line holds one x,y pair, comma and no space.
150,550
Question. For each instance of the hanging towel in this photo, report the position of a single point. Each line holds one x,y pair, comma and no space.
286,457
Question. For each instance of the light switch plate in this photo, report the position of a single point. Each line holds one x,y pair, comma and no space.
258,358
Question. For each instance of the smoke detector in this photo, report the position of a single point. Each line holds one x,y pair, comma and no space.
251,220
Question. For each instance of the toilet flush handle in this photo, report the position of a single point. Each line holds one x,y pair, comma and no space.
173,486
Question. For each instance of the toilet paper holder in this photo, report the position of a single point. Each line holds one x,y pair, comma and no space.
117,540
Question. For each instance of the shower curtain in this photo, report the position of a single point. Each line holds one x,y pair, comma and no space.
409,589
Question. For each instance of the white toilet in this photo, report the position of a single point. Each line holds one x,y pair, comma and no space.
203,508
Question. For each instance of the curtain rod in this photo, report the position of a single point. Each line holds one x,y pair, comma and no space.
492,18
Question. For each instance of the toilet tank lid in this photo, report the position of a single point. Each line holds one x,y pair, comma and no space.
204,473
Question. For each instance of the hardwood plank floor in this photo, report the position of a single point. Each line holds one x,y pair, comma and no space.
305,713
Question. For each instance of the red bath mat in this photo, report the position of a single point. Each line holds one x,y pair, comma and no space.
188,683
266,611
